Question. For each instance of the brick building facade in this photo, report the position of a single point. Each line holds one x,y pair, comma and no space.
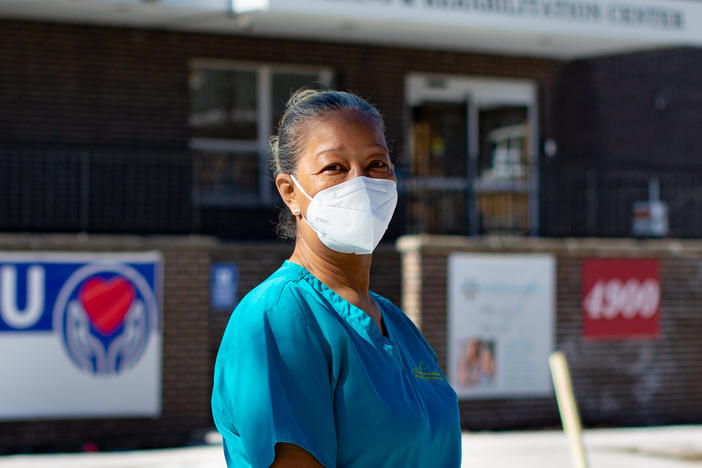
96,100
191,334
97,137
625,382
619,382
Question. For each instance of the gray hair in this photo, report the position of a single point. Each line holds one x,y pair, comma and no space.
303,107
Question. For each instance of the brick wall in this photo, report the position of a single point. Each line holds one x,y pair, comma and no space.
191,335
622,121
626,382
604,103
638,382
185,359
81,89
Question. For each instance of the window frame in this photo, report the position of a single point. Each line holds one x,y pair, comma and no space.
264,109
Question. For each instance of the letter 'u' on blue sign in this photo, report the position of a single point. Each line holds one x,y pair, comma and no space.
224,277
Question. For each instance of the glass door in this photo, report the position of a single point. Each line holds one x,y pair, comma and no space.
504,167
437,184
471,167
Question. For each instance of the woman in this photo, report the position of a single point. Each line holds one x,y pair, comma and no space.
314,369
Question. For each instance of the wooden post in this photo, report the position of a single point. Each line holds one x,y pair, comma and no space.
568,408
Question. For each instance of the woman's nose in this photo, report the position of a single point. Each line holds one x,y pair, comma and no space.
358,171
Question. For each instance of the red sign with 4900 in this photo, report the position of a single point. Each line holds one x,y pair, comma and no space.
621,298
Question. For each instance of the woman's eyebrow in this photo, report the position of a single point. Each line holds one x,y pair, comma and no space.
333,149
340,148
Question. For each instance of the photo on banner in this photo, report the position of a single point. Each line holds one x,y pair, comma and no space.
501,323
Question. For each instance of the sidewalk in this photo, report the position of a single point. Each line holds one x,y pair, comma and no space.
656,447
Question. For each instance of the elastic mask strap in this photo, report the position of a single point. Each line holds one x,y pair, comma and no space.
299,186
303,191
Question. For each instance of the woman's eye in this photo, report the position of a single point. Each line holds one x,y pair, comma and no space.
334,167
379,165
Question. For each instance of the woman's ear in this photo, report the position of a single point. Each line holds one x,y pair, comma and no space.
286,188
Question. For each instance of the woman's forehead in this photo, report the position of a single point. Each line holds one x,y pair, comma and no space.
344,127
347,117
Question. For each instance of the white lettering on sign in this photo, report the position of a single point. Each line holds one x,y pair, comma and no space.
9,310
611,298
628,14
616,13
575,10
637,15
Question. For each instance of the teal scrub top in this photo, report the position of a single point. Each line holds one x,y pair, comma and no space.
300,364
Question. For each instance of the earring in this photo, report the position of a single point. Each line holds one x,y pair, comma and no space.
296,211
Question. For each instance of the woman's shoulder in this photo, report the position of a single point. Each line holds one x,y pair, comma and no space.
281,282
277,301
277,314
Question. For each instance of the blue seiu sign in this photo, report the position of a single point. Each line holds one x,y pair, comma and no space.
93,319
30,289
224,277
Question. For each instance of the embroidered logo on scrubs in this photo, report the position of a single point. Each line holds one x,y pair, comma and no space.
427,372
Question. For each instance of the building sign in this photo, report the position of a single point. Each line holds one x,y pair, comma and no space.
80,335
634,14
621,298
550,28
664,15
223,284
500,324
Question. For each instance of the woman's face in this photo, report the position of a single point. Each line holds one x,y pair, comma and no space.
337,147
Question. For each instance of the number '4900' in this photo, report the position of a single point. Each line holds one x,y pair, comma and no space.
610,298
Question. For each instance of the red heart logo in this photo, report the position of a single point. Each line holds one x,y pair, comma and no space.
106,302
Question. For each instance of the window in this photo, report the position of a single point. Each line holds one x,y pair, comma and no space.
472,152
234,108
503,143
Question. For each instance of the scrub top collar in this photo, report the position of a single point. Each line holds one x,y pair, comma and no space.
356,317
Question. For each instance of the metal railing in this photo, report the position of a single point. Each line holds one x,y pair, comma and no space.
74,188
151,190
598,202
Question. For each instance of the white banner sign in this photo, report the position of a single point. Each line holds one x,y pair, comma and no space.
500,324
550,28
80,335
632,17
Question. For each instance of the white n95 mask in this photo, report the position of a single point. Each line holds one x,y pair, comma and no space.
351,217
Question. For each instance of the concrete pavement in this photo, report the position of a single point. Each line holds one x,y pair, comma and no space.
655,447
